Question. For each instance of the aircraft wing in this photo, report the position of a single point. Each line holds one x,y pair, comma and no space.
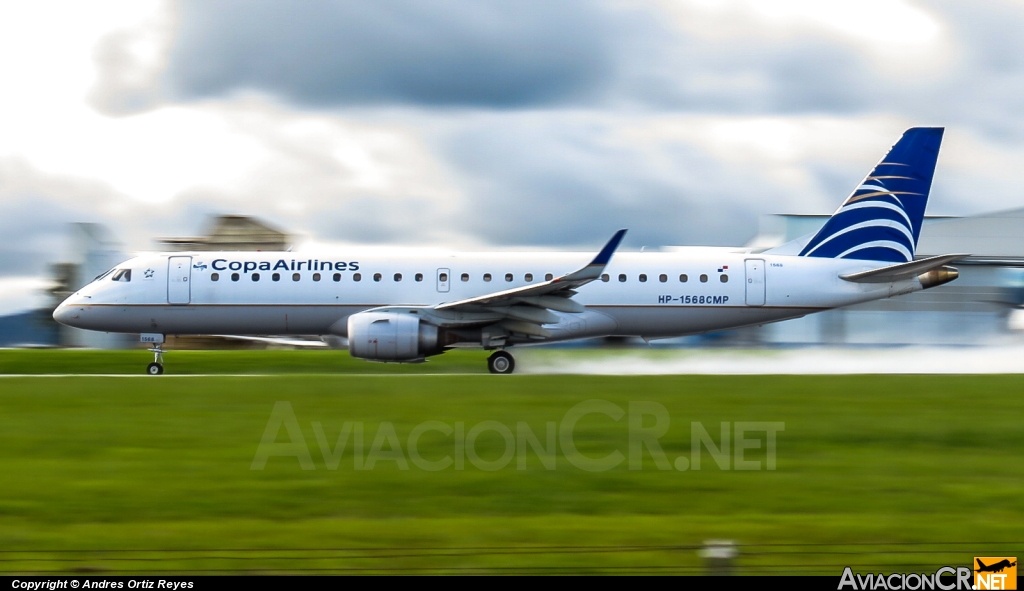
559,287
524,310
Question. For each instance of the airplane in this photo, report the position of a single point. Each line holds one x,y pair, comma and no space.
994,568
410,306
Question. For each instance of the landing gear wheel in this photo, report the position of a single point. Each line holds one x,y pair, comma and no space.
157,367
501,362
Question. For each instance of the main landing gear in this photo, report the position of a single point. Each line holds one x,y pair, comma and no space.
501,362
157,367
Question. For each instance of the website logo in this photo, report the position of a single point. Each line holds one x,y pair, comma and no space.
995,572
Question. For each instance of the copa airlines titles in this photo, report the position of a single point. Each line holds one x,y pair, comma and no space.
283,265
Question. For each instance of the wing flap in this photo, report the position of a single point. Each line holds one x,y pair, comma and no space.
556,303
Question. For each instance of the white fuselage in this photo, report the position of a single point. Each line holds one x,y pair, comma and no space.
646,294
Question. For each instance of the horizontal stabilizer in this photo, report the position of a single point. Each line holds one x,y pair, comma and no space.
902,271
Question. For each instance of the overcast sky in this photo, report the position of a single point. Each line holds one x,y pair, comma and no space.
483,123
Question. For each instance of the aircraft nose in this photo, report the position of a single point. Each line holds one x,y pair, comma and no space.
65,314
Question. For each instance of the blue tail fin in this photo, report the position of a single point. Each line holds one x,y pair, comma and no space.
881,220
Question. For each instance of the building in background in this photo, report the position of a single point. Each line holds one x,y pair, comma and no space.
231,232
93,250
34,328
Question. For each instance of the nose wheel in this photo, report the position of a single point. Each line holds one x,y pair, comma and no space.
157,367
501,362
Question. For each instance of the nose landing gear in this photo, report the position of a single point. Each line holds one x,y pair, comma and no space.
157,367
501,362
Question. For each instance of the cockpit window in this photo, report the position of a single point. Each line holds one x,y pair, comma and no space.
122,275
102,275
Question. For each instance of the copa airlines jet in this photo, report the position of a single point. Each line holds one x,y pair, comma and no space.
406,308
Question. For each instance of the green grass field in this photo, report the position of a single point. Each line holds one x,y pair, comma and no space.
141,474
133,362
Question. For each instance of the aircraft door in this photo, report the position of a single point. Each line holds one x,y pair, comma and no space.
443,280
755,282
179,275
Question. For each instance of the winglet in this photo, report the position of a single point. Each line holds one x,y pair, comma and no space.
606,253
593,269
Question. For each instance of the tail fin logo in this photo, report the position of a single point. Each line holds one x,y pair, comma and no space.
881,220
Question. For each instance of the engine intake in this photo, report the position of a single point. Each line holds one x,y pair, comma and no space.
391,336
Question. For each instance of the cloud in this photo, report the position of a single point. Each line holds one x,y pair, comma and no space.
938,63
35,210
432,52
18,294
493,123
571,178
130,62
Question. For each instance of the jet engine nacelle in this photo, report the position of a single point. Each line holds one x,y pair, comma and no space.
391,336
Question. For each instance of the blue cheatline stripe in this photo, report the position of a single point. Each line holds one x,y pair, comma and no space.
881,219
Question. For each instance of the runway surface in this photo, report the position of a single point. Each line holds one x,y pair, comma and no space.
902,360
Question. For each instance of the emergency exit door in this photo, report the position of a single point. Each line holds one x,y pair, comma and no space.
755,282
179,278
443,280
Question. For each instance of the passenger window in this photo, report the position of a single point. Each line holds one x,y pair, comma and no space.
255,276
398,276
724,279
275,277
357,277
465,276
683,278
604,278
419,277
487,276
643,278
316,277
337,277
443,277
377,276
548,277
215,277
622,277
703,278
508,277
663,278
529,277
234,276
296,276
